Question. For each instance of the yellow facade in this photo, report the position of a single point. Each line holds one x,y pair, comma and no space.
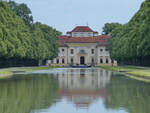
98,58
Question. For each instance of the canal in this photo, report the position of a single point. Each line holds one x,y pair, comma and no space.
73,90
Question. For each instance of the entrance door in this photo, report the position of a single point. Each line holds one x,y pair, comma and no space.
82,60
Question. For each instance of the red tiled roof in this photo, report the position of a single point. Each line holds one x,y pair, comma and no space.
95,32
61,41
82,29
68,32
100,40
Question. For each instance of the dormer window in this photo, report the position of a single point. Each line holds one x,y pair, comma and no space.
75,34
81,34
82,31
89,34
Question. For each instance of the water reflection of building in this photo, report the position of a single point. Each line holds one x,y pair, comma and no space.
83,86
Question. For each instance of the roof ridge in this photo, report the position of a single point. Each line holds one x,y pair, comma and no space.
82,29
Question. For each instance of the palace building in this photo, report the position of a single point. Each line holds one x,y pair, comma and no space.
83,46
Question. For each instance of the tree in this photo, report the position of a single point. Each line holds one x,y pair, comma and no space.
23,43
23,11
109,27
129,43
50,35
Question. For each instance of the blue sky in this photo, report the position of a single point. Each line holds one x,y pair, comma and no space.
64,15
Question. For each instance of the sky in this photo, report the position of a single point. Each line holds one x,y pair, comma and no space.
64,15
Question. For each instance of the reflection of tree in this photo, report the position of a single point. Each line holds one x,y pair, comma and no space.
129,94
24,94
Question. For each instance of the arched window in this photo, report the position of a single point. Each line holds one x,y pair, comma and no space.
57,61
101,50
92,60
101,60
106,49
63,61
107,61
71,60
63,50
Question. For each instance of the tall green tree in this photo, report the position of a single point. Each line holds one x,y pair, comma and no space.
130,43
23,11
21,41
50,35
15,36
109,27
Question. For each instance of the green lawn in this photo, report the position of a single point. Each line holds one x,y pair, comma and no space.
133,70
29,69
5,72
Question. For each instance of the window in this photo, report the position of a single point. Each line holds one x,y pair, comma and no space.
52,62
71,60
101,50
92,51
71,51
107,61
106,49
89,34
92,60
82,51
75,34
63,50
57,61
63,61
81,34
101,60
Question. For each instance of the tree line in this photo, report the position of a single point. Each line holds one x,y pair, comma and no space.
130,43
24,42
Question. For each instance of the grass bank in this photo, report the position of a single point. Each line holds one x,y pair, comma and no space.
8,72
5,74
133,70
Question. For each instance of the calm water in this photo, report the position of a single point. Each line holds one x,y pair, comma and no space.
74,91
